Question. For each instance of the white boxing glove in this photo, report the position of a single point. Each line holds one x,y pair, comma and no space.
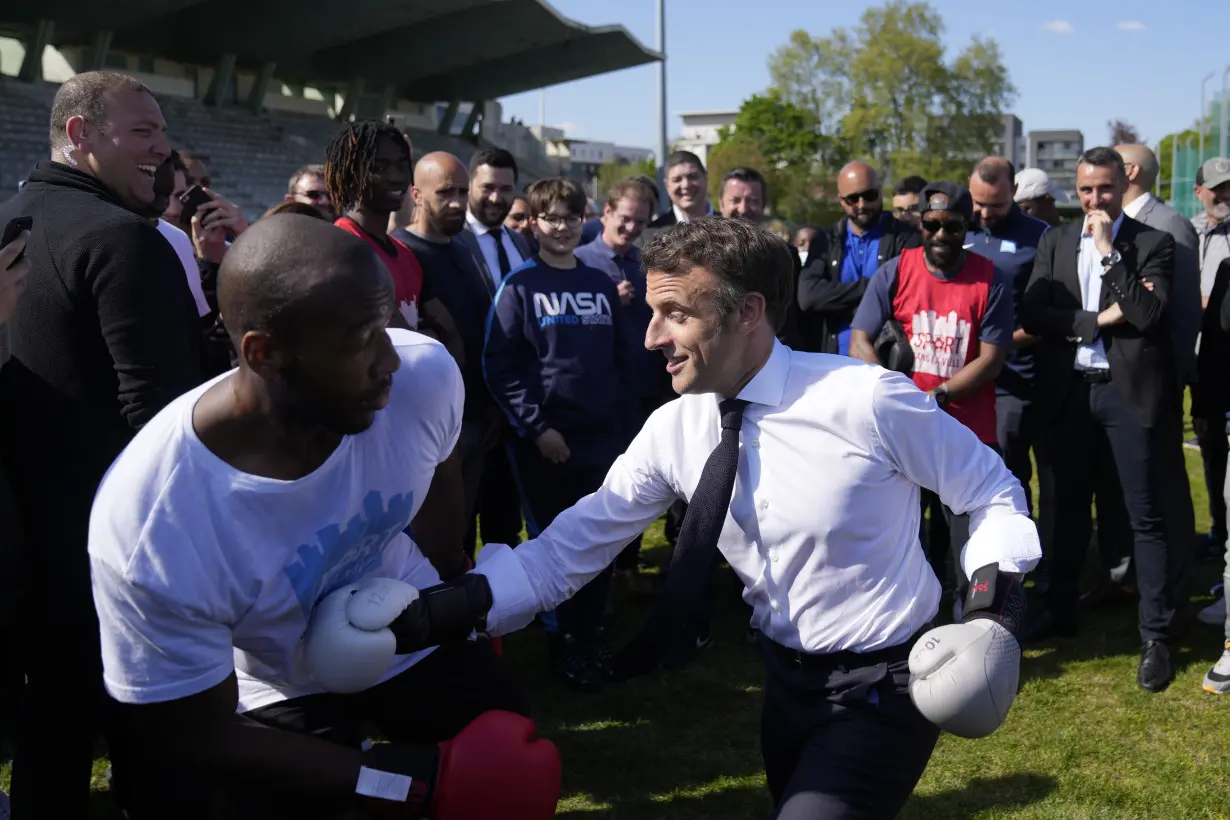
349,646
963,677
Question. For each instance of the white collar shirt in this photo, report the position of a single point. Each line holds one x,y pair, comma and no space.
682,215
487,238
1089,270
823,525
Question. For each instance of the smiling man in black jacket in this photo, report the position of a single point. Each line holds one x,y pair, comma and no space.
842,260
106,337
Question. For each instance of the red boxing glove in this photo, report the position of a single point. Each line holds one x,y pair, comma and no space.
497,768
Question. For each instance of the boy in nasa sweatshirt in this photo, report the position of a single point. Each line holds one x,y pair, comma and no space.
555,360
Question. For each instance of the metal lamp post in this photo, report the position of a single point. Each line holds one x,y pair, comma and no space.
1203,108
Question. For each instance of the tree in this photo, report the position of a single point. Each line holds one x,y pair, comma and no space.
1187,140
885,92
784,143
611,172
1122,132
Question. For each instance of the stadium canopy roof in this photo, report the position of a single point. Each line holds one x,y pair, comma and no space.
429,49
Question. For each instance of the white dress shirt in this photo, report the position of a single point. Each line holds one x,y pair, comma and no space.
1089,269
1133,208
187,257
682,215
486,243
823,525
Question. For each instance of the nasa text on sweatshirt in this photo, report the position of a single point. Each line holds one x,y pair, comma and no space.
552,357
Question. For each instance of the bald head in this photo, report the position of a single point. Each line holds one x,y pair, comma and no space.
290,272
858,191
441,193
856,177
1141,165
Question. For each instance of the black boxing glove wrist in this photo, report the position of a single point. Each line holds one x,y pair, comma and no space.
447,612
400,778
997,595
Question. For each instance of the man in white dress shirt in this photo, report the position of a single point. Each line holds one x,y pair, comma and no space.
822,526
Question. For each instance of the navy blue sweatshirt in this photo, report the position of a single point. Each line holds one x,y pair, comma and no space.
553,356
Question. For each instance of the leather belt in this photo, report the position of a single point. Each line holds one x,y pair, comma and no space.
1094,376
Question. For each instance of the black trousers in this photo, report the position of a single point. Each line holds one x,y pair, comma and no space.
547,490
430,702
840,736
498,511
1016,421
1213,452
1147,460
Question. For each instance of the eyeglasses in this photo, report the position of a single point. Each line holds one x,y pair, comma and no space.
949,225
870,195
557,222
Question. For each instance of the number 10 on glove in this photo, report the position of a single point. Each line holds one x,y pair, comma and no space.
964,677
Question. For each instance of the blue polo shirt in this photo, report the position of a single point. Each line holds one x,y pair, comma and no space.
1012,245
859,260
647,368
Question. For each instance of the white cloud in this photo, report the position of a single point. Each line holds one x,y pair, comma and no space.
571,129
1059,27
1130,25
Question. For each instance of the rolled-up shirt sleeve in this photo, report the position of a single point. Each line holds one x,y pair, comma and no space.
937,452
583,540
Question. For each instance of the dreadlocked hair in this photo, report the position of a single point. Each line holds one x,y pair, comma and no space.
349,157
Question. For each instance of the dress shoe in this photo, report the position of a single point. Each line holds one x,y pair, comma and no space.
1155,672
1107,594
1046,625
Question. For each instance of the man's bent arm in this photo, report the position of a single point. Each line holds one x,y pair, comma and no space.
440,525
936,451
984,368
582,541
210,736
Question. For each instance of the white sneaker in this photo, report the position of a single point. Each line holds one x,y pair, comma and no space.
1217,681
1214,614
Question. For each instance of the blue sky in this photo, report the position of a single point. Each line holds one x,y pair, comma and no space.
1068,60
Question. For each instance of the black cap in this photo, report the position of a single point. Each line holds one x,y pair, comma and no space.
946,196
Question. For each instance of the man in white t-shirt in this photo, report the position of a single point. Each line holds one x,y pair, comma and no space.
326,458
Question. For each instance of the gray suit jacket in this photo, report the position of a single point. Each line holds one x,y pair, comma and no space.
1185,309
470,240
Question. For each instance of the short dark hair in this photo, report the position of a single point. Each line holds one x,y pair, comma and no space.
1103,157
315,170
543,194
85,95
496,158
747,258
1200,175
993,169
912,184
631,188
684,158
177,162
747,175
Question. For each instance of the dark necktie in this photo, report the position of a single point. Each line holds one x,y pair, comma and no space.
497,234
696,555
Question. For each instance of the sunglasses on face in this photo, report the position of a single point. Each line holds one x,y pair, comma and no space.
870,195
951,226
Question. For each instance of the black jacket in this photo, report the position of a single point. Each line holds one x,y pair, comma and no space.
1140,351
105,335
1211,392
825,302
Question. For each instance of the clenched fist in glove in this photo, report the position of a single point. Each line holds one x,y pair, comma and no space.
495,768
355,631
963,677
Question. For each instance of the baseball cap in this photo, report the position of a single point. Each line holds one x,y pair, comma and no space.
946,196
1215,171
1032,183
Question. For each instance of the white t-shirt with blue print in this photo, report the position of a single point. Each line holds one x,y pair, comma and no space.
200,569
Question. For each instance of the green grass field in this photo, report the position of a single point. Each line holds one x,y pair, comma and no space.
1082,740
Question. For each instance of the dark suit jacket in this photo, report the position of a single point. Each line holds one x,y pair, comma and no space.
1185,309
469,239
1139,350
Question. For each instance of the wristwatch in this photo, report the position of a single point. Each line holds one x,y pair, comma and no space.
1111,259
941,396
